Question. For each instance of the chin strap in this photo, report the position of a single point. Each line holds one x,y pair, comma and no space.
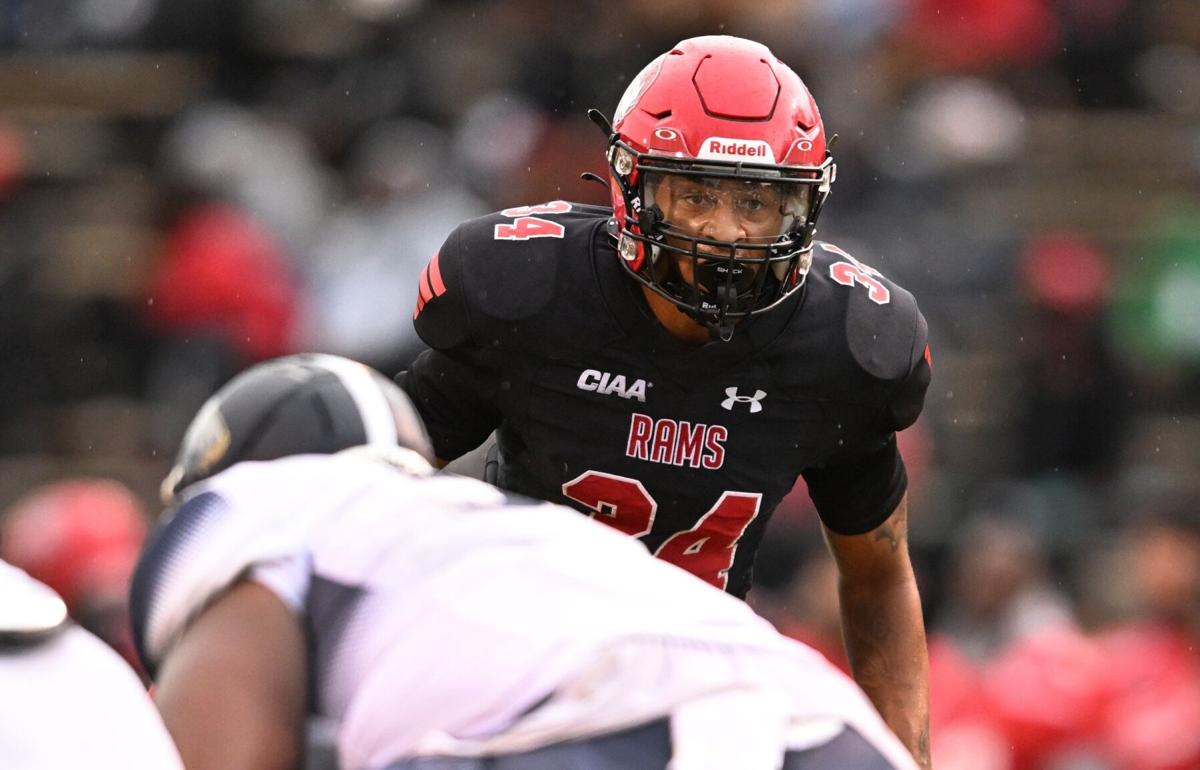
722,330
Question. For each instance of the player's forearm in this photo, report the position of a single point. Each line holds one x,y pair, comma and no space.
885,642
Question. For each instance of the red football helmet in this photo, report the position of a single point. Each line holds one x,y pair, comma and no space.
718,123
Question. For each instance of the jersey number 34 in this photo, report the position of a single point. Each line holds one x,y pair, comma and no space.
526,226
706,550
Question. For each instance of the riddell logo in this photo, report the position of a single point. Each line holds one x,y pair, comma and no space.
721,148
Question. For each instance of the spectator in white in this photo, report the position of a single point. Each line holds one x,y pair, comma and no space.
438,622
358,274
1000,593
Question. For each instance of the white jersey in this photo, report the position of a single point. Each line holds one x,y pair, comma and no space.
447,617
66,699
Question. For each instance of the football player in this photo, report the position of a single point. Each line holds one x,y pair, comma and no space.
672,364
436,622
66,698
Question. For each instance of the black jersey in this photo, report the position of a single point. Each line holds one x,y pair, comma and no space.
537,331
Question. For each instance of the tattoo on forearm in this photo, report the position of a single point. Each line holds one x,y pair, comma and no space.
886,532
866,644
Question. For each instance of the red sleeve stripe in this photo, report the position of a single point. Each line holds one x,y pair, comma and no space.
424,292
430,285
928,357
435,275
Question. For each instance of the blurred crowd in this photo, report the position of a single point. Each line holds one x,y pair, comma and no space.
190,187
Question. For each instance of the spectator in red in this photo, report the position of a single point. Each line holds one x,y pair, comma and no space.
221,297
1152,704
1009,669
965,734
221,273
81,537
1077,404
808,608
980,35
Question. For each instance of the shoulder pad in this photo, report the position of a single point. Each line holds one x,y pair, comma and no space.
30,613
250,514
503,267
885,331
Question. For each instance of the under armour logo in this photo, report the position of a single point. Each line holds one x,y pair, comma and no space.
753,401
